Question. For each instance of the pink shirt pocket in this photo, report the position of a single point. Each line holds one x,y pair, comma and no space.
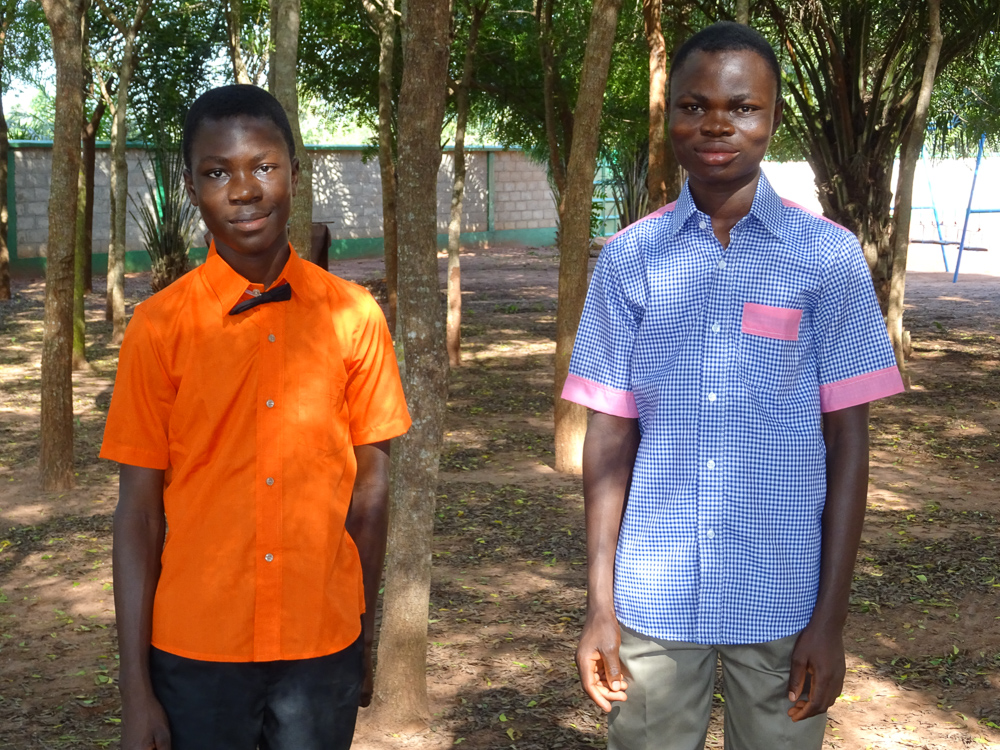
771,322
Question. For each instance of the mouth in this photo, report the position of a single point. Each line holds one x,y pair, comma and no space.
716,153
250,222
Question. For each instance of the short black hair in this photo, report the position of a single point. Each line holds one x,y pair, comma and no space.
728,36
238,100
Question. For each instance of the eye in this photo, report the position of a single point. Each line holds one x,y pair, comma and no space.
746,109
266,168
214,174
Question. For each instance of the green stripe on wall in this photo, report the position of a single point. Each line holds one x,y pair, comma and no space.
363,247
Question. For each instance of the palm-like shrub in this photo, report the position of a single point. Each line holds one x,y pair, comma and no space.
166,219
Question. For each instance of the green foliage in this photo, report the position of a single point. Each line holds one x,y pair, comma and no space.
167,220
37,122
629,168
338,59
177,44
27,46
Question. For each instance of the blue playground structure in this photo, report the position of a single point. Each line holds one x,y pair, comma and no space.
965,226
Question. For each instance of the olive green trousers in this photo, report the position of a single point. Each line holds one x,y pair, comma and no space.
670,697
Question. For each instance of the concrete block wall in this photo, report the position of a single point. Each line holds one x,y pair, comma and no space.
32,176
347,195
523,198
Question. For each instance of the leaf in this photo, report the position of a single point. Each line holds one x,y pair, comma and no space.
510,733
503,717
459,741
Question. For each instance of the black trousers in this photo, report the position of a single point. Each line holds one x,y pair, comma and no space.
306,704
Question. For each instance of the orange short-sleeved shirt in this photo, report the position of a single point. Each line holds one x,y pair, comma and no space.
254,418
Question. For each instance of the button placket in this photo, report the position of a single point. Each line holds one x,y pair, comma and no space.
270,368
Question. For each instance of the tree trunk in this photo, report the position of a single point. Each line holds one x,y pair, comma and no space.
115,299
656,178
454,332
56,463
385,21
400,698
574,240
910,154
89,140
557,168
80,257
234,24
283,85
7,9
4,249
743,12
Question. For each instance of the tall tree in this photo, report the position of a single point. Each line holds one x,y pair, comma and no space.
382,16
913,142
234,25
88,139
574,219
283,84
7,11
743,11
656,177
454,322
400,697
65,19
23,41
80,258
128,30
856,75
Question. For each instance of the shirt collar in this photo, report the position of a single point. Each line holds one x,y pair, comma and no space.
229,286
767,208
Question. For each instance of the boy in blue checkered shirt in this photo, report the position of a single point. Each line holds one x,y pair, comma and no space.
729,347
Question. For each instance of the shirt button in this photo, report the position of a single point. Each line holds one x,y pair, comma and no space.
271,338
712,397
702,225
269,557
716,328
710,464
722,264
270,404
269,481
710,534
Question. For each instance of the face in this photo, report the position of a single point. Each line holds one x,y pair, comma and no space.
723,112
242,178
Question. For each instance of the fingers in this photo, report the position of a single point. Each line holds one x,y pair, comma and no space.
796,678
161,739
824,687
594,674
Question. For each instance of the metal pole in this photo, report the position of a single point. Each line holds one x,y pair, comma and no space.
968,210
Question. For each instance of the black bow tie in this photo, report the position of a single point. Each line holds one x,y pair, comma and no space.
281,293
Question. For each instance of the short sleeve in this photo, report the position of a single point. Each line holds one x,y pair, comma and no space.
600,370
142,400
855,359
374,393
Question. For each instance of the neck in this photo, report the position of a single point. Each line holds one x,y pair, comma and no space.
262,268
726,205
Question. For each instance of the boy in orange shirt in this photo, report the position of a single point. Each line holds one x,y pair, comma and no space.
252,413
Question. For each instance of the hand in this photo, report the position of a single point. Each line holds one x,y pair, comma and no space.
368,681
598,662
144,725
818,653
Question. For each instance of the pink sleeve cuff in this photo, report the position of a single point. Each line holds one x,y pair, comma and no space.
599,397
860,390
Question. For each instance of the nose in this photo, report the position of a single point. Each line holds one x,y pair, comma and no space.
244,188
716,123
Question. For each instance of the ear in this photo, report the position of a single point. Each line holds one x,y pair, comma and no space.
295,175
189,187
779,108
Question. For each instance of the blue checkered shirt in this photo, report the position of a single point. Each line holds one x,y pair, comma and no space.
727,357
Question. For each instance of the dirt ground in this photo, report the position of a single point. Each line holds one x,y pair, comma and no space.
508,598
